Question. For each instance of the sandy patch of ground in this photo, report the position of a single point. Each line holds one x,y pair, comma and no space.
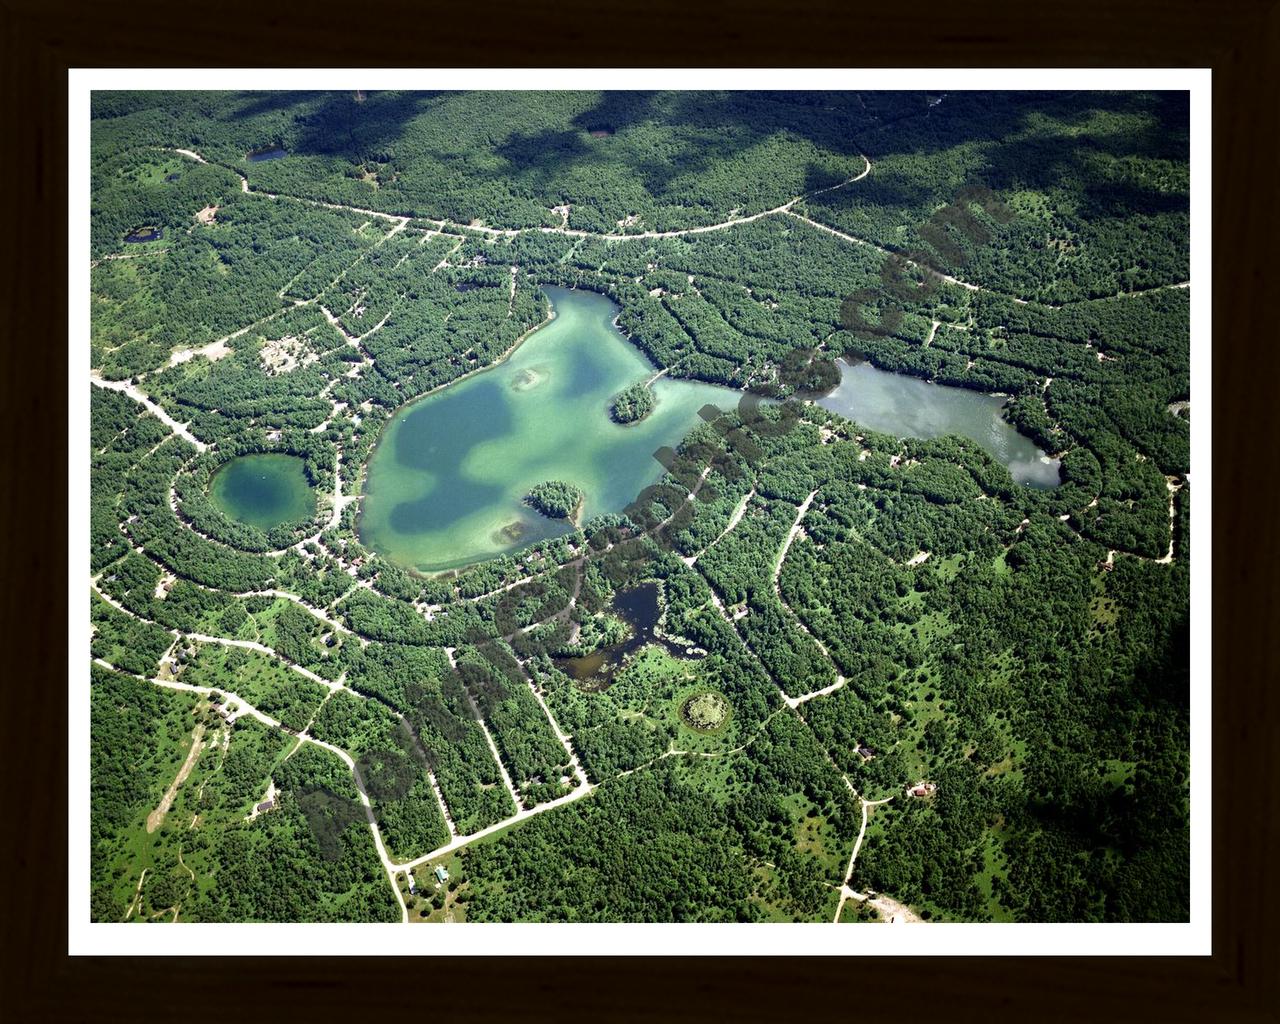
207,215
213,351
890,910
284,355
918,559
164,584
136,893
893,911
156,818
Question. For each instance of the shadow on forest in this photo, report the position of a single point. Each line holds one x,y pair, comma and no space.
708,129
1038,163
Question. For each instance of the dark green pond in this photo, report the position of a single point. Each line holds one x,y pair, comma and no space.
905,406
641,609
263,490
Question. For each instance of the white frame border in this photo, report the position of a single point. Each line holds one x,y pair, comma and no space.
1192,938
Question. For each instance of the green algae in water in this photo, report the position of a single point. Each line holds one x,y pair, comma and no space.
447,481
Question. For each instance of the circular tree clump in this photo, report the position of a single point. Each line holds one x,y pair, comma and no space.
555,499
632,404
705,711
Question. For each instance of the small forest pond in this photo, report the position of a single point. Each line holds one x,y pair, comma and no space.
905,406
447,481
275,153
263,490
146,234
640,607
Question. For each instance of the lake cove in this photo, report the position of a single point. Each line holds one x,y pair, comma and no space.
263,490
905,406
446,483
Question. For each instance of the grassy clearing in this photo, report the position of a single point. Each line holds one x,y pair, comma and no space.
264,682
656,685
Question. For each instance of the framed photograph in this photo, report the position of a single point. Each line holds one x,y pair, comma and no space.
666,514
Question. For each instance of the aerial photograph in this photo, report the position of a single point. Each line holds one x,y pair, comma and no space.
615,506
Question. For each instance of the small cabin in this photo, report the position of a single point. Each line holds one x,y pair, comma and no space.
442,875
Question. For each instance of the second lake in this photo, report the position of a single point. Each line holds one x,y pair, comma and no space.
904,406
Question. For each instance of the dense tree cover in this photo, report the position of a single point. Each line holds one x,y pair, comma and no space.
657,161
212,281
534,758
678,844
267,684
419,683
632,403
1093,191
950,679
203,860
267,382
285,866
137,583
555,499
120,433
647,848
1023,650
124,641
128,764
135,187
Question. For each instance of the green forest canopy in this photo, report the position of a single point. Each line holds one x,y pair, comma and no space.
1033,666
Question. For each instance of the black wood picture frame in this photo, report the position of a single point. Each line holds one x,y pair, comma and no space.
1238,39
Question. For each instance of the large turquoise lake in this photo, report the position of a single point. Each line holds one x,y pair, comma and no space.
895,403
446,483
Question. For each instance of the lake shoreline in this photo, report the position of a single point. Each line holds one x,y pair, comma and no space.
907,405
386,424
426,510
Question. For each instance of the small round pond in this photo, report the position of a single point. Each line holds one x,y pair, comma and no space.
263,490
